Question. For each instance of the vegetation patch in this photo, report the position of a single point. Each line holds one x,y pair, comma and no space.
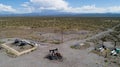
56,42
79,23
80,46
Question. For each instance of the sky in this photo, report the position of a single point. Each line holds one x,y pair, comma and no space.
66,6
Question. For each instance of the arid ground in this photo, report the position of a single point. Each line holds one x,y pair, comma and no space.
51,33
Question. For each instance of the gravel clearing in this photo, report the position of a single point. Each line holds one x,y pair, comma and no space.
72,57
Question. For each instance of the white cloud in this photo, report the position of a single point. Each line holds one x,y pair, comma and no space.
63,6
86,9
39,5
6,8
27,8
114,9
56,4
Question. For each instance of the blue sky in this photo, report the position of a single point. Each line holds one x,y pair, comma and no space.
101,3
68,6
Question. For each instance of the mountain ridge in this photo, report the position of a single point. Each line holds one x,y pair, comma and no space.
63,15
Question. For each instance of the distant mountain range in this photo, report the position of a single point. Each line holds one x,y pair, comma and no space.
62,14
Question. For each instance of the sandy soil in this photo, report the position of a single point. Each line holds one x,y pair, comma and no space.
72,57
46,35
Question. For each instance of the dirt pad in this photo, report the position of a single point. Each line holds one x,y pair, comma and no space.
72,58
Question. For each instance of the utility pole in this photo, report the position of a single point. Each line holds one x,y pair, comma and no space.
62,35
115,44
